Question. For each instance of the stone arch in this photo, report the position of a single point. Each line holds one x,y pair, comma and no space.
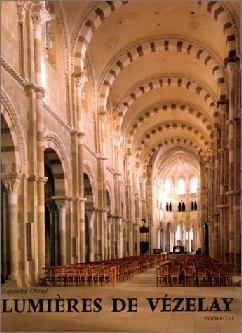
88,191
89,171
167,126
16,131
177,142
104,9
55,167
51,141
109,200
165,43
172,155
173,106
85,32
55,196
176,81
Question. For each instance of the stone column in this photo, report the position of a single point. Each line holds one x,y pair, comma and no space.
222,163
189,239
120,237
164,239
21,11
11,183
39,16
61,203
80,82
81,230
102,200
109,237
91,235
233,123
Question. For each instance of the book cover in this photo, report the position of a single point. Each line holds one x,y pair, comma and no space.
120,166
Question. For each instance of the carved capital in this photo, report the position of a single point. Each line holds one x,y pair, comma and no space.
11,182
43,179
80,82
39,14
61,202
81,79
233,67
22,7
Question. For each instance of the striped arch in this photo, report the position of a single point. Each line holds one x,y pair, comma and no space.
176,143
104,9
60,166
175,140
162,108
165,126
166,44
175,81
14,150
221,13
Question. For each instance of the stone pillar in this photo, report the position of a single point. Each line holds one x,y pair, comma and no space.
81,230
222,173
109,237
61,203
21,11
164,239
80,82
189,240
120,237
11,183
138,239
91,235
233,123
39,16
102,200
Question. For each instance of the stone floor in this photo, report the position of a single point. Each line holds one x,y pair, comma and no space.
141,286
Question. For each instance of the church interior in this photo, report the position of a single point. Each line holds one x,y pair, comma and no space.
120,134
120,154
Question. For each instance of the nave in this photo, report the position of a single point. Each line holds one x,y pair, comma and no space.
120,133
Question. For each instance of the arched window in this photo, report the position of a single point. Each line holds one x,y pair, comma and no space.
181,186
193,185
168,186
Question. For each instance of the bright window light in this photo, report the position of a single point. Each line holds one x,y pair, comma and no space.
193,184
168,186
181,186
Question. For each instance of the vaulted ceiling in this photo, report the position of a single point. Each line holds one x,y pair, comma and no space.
160,64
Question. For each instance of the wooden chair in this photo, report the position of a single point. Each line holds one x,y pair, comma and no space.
162,275
189,274
226,275
201,275
175,274
214,275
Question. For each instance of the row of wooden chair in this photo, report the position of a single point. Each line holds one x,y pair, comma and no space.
192,270
99,273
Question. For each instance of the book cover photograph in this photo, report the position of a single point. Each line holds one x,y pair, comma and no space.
120,166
